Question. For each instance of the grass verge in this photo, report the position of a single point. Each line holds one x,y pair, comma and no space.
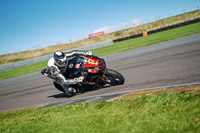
148,40
13,57
148,113
183,90
116,47
23,70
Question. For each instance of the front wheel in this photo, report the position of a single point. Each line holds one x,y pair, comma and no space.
58,86
114,78
68,93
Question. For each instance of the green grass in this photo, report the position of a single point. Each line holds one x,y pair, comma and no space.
163,113
148,40
116,47
23,70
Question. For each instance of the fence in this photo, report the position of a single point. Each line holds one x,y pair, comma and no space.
93,46
160,29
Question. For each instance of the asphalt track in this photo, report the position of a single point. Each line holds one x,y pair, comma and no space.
163,64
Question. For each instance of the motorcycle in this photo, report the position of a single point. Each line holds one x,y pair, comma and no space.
97,75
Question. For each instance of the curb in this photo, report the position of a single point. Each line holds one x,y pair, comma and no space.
102,97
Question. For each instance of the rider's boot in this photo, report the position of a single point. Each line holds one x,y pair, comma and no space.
70,91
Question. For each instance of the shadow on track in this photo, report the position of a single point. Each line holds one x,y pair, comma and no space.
63,95
60,95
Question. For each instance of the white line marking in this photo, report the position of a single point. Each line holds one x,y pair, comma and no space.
108,94
125,92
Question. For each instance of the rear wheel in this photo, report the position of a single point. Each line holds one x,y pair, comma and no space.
114,77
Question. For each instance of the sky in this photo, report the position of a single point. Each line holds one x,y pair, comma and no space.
32,24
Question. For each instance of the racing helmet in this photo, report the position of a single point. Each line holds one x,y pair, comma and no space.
60,59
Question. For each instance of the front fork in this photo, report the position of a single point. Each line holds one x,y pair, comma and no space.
105,79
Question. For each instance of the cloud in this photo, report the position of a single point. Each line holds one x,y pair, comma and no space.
109,29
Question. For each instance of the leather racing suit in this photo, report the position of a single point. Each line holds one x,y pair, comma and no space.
72,73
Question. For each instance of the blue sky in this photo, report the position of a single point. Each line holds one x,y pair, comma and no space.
31,24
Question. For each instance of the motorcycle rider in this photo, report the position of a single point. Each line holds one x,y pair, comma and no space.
66,73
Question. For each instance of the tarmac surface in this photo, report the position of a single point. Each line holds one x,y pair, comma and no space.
164,64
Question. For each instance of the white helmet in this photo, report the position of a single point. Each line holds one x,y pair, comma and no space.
60,59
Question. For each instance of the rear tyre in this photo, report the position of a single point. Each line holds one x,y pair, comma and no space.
114,77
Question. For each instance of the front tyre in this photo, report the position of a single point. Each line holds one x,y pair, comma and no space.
58,86
114,78
68,93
